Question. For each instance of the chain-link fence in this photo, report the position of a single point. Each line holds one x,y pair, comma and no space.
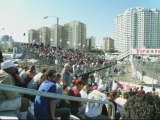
148,68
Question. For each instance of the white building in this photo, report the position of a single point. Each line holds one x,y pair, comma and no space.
137,28
74,35
6,43
45,35
33,35
108,44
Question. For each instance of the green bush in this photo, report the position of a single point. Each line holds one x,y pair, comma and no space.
10,50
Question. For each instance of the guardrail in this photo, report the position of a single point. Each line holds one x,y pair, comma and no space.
99,69
52,95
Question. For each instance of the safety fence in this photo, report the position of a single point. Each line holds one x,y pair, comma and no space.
53,95
148,68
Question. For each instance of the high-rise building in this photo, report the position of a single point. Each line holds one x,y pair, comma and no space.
45,35
91,42
33,35
137,28
6,42
74,34
108,44
54,36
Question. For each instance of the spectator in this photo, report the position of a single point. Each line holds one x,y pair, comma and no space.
66,76
154,91
23,74
75,91
30,74
141,91
37,80
144,106
84,91
45,108
122,100
65,89
94,110
112,96
130,92
11,100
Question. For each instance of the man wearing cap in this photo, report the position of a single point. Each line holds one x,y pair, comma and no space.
10,100
66,76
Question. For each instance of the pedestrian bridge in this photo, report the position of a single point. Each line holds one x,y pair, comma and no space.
138,52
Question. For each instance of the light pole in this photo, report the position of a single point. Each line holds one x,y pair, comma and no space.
56,61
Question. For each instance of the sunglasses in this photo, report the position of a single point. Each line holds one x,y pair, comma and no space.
53,76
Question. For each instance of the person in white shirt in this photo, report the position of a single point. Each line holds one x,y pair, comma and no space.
94,110
122,100
23,74
84,91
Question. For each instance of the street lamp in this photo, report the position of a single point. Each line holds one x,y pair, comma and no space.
56,61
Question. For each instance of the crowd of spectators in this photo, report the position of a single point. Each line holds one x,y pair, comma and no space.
133,104
81,62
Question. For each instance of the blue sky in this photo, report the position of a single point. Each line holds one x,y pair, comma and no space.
18,16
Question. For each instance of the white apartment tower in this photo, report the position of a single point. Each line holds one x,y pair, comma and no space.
108,44
32,35
44,35
137,28
74,35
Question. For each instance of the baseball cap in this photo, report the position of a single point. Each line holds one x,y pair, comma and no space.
66,65
7,64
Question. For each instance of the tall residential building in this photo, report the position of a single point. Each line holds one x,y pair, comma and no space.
137,28
45,35
33,35
74,35
91,42
54,36
108,44
6,43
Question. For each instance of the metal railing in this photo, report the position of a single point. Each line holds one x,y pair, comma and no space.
53,95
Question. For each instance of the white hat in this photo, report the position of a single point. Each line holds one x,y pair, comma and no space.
101,87
7,64
67,65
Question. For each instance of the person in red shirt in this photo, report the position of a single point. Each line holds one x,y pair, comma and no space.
75,91
141,91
